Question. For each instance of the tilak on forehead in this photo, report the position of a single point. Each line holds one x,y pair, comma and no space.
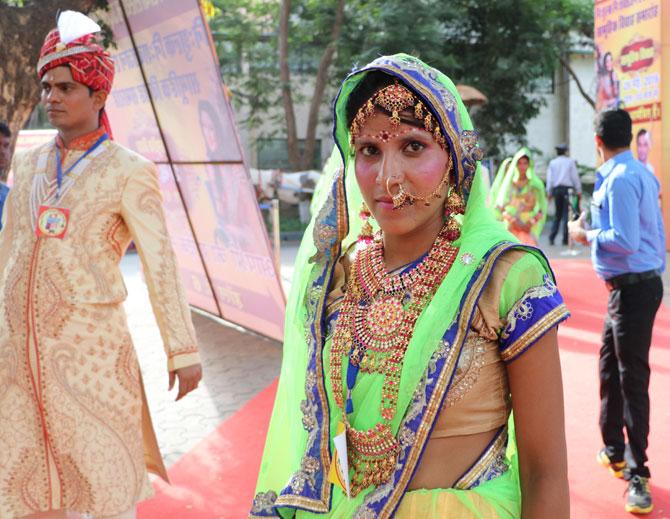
73,43
395,99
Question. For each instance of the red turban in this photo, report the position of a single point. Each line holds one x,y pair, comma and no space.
89,64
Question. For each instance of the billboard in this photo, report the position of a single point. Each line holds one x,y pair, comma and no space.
168,103
628,60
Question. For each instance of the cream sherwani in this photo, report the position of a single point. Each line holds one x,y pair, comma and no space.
75,431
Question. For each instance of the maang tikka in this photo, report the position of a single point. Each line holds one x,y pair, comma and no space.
395,99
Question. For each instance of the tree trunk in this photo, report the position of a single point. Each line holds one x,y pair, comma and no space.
573,75
320,87
22,32
285,79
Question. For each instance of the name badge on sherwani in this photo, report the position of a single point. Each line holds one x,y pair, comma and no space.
52,222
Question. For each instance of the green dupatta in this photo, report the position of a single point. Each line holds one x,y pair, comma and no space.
500,176
501,199
294,468
322,189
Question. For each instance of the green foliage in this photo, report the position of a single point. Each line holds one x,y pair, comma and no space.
92,6
246,41
505,48
97,4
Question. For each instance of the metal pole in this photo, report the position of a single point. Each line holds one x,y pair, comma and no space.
275,233
572,215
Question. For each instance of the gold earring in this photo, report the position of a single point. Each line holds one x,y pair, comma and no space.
366,235
453,206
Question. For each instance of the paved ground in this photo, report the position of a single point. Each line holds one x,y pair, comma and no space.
237,364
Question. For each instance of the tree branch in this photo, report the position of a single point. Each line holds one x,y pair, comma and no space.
572,73
320,86
285,79
18,54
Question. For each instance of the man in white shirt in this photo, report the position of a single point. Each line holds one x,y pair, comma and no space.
561,176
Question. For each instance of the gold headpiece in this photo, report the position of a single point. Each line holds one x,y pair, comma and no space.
396,98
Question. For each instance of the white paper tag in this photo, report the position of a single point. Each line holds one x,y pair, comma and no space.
339,468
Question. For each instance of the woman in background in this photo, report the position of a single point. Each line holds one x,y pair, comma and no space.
521,201
497,181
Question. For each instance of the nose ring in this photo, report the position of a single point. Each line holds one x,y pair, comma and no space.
402,198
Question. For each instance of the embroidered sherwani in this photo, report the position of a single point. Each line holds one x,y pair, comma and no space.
75,431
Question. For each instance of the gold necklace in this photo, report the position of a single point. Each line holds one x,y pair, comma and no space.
373,330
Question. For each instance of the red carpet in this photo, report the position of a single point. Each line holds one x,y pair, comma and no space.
217,478
593,492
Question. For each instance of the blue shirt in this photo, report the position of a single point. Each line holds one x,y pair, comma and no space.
4,191
627,232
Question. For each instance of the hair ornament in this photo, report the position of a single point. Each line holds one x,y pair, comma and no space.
395,99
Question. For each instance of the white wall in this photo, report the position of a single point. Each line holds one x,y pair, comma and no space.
544,132
567,117
580,112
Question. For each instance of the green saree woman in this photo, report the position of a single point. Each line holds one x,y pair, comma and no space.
497,181
393,343
520,199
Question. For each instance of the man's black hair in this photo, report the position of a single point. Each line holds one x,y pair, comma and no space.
640,133
4,129
615,128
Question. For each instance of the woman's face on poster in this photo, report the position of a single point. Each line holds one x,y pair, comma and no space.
608,62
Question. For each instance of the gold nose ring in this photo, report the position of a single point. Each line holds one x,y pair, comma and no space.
402,198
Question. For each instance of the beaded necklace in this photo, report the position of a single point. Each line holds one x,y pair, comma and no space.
373,330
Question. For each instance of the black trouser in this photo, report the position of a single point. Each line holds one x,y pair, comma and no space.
624,369
560,194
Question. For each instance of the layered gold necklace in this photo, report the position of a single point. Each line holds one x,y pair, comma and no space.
373,330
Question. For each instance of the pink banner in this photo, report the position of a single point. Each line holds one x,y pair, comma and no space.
179,118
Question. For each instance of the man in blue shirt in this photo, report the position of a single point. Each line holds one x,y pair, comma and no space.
5,141
628,251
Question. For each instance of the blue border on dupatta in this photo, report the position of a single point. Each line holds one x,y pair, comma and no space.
530,314
308,488
384,500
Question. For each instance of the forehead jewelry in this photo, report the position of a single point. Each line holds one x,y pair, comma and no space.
386,136
395,99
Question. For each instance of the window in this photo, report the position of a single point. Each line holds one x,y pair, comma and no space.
273,154
230,58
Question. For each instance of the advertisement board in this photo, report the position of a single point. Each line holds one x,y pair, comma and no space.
628,60
168,103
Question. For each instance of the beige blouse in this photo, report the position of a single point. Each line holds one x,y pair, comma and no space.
478,400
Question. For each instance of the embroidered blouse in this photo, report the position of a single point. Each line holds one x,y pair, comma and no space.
516,308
